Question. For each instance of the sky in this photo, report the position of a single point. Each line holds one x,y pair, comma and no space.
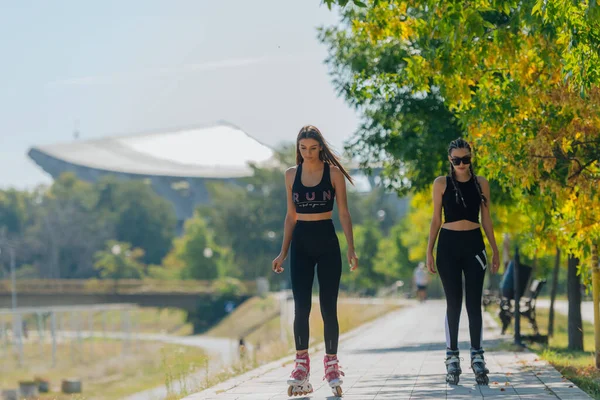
111,68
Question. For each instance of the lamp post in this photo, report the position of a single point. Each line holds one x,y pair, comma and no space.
17,323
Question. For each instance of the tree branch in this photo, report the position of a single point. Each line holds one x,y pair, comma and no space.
581,169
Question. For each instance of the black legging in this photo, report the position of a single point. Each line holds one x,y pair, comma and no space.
458,252
315,242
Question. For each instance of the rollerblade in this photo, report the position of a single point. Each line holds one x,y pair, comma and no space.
479,368
333,374
453,370
299,384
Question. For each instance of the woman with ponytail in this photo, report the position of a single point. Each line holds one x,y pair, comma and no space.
462,195
311,188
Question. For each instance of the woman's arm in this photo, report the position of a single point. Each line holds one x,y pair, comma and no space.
439,185
339,183
486,222
290,221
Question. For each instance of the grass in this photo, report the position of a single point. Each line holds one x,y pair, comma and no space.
247,317
267,340
171,321
257,319
577,366
108,369
107,373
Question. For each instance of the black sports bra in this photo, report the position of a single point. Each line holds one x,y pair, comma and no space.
315,199
456,211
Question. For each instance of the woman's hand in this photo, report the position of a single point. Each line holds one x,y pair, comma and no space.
352,259
495,262
278,263
431,263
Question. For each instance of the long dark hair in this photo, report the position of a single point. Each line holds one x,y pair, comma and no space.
325,155
461,143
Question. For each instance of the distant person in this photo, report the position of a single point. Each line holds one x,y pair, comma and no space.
311,189
242,348
421,280
462,195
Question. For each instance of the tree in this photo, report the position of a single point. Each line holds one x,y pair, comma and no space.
248,217
573,25
407,133
575,324
500,74
196,255
67,229
522,80
379,205
141,216
119,261
13,212
392,260
366,279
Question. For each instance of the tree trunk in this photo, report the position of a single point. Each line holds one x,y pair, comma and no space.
553,293
574,294
596,289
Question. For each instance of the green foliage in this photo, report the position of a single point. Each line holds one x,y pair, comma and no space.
134,204
248,217
229,287
196,255
407,133
13,211
119,261
367,238
58,229
392,260
518,78
66,230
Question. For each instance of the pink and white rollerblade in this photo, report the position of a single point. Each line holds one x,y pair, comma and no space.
333,374
299,384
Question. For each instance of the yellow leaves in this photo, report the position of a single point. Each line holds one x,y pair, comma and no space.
531,71
526,182
563,38
387,21
566,145
549,164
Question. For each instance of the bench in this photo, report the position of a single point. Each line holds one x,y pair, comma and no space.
490,296
527,308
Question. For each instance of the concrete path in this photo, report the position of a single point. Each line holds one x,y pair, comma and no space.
400,356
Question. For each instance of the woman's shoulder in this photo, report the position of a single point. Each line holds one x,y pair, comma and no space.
290,173
439,185
440,181
291,170
482,180
334,169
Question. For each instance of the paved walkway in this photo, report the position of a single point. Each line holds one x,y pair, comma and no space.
400,356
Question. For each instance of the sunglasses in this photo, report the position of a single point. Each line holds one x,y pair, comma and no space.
457,160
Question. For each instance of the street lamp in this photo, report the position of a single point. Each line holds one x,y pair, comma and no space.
17,327
116,249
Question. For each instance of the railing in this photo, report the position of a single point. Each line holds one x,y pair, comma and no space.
124,286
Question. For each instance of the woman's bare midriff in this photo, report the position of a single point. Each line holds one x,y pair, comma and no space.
314,217
462,225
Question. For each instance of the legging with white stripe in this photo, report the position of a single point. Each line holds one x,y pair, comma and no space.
461,252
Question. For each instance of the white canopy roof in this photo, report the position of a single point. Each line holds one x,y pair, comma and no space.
216,151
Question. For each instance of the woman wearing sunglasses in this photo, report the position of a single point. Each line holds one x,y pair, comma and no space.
461,250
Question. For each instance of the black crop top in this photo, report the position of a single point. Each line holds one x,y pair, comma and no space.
454,211
314,199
